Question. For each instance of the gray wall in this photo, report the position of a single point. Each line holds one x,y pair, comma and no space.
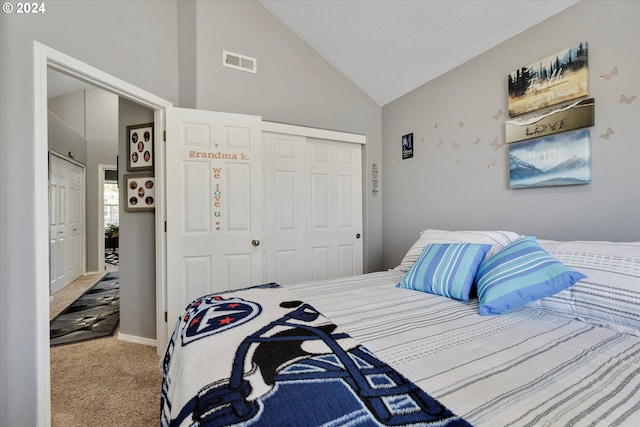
137,243
107,35
294,85
63,139
468,187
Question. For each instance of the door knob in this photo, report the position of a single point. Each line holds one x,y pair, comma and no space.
255,242
357,235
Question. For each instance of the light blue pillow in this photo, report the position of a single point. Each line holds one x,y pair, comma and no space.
520,273
446,269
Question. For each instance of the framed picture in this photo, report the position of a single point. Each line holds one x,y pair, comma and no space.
140,147
562,159
141,193
407,146
555,79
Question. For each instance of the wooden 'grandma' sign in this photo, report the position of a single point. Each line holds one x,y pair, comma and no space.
549,122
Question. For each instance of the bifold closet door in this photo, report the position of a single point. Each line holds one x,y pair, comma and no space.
312,208
66,222
335,209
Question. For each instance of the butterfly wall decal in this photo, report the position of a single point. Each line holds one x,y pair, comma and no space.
495,144
610,75
498,114
608,133
627,100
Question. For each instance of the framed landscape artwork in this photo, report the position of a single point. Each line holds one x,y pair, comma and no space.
561,159
555,79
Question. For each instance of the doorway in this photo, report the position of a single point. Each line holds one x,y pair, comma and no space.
108,217
45,58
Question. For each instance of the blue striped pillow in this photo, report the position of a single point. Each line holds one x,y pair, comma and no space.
446,269
520,273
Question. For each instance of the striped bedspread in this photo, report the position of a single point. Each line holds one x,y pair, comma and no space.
524,368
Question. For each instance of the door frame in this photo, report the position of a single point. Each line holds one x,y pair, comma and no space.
44,58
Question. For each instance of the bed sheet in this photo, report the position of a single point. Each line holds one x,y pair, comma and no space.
525,367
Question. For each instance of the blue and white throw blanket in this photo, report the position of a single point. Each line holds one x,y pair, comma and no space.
258,356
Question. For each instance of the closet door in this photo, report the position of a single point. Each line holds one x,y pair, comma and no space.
66,222
285,190
312,208
335,209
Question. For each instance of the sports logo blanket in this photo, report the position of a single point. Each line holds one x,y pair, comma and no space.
259,356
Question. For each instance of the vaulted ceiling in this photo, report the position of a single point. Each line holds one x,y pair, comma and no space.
390,47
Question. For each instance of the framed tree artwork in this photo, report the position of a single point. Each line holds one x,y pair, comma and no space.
140,147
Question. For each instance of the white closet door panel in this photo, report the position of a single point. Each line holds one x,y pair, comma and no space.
66,225
284,235
335,208
320,263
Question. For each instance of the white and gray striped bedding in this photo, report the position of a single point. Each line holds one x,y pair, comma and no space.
527,367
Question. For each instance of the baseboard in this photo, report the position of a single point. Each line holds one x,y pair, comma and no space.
137,340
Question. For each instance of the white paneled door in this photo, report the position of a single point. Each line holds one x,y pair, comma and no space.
246,207
66,223
335,209
214,204
312,208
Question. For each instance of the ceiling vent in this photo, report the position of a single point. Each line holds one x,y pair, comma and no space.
239,62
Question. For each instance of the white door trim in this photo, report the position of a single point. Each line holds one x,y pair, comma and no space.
331,135
45,57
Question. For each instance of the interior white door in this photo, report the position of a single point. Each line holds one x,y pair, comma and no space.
66,223
335,209
214,204
313,208
285,188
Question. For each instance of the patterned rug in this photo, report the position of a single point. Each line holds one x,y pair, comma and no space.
112,258
95,314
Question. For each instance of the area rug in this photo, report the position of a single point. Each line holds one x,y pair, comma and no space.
112,258
95,314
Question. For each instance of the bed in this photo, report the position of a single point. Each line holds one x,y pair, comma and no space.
386,350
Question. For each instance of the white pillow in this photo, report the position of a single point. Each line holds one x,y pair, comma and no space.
496,238
610,294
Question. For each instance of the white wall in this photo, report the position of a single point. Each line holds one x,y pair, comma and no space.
468,187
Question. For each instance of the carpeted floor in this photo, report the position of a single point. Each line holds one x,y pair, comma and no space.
105,382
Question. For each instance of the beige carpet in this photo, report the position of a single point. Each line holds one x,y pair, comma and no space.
103,382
